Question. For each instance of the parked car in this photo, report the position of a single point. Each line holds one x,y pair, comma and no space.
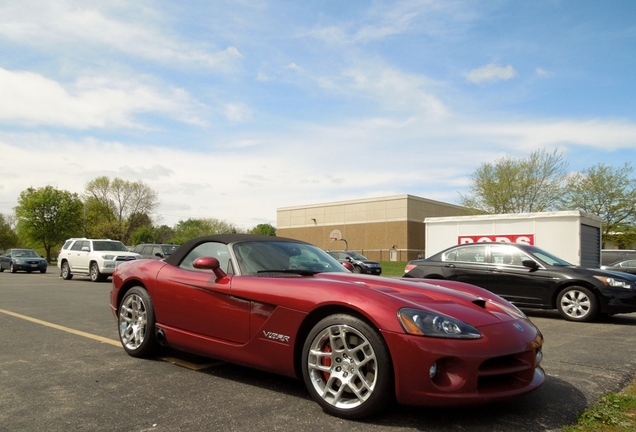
96,258
609,256
627,266
361,264
285,306
155,251
26,260
530,277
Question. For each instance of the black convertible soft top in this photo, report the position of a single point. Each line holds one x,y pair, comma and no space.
185,248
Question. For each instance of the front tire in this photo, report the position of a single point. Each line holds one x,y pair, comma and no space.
66,271
12,268
577,304
347,368
136,321
95,274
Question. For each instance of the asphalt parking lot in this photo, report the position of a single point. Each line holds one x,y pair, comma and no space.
62,368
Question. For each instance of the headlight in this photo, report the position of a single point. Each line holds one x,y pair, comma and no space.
20,261
108,257
418,322
614,282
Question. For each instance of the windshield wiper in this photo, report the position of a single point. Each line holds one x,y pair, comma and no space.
300,272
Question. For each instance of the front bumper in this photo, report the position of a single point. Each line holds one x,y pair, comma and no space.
26,266
502,364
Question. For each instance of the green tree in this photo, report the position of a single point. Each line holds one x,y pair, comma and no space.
151,234
508,185
8,236
608,192
263,229
116,208
193,228
48,216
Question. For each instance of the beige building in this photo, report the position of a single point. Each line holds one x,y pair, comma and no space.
384,229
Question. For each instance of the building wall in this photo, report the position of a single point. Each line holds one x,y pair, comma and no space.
387,228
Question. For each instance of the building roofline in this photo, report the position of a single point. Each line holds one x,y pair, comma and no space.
366,200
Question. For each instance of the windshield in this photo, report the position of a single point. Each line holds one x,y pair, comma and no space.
357,256
261,257
169,249
109,245
27,253
547,258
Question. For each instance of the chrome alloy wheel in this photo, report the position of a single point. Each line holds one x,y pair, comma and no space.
133,321
342,366
576,304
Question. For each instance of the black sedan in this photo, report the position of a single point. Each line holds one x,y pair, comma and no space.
627,266
530,277
360,263
22,259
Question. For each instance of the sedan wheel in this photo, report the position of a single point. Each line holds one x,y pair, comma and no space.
347,367
12,268
577,304
136,321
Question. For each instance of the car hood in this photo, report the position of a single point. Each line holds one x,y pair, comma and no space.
366,261
591,272
465,302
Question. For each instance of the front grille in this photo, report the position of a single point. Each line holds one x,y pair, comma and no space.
506,372
125,258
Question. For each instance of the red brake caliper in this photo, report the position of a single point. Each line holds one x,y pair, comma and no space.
326,361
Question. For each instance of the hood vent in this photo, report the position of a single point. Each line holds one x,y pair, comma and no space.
480,302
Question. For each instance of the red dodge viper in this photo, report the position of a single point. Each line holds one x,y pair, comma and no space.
359,342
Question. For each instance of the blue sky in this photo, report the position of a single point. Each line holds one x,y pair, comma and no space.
232,109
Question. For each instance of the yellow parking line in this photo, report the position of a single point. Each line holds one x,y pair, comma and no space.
173,360
66,329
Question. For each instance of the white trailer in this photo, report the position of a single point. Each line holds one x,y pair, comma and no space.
574,236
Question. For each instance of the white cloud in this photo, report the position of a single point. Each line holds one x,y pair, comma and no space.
395,90
128,28
542,72
237,112
491,73
28,98
248,180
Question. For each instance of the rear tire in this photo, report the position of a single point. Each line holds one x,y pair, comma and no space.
136,322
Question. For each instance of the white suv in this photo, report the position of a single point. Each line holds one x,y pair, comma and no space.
95,258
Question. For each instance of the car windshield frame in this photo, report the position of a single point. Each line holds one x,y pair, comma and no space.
258,257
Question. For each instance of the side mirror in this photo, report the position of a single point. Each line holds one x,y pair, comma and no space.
209,263
530,264
348,265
